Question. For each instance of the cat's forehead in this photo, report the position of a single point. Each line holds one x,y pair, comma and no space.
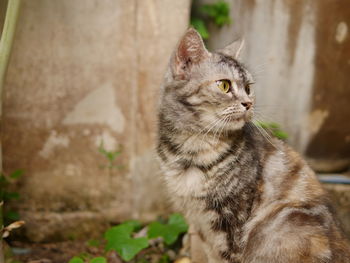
224,66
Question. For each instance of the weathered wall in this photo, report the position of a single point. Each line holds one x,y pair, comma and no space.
300,54
81,72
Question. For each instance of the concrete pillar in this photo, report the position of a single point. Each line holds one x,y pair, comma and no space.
83,72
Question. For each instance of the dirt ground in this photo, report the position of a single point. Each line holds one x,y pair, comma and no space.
60,252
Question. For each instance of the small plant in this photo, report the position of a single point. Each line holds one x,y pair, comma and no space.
10,218
119,239
218,13
273,128
111,157
93,260
169,231
199,25
126,240
7,196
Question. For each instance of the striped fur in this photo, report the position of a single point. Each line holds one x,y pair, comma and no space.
251,199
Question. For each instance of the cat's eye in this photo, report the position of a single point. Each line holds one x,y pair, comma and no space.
247,88
224,85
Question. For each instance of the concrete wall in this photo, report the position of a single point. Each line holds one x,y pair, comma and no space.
300,54
81,72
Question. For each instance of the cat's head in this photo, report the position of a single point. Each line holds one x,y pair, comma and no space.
207,91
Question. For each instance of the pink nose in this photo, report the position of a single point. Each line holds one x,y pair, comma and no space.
247,105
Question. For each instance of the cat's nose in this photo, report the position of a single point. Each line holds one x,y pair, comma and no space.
247,104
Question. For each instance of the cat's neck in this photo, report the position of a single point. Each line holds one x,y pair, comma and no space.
192,141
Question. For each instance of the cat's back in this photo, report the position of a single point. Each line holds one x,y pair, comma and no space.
292,219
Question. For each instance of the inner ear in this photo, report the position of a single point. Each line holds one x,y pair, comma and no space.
190,51
233,50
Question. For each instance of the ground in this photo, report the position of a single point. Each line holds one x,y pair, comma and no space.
60,252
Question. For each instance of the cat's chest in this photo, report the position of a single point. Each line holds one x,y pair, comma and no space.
186,183
191,172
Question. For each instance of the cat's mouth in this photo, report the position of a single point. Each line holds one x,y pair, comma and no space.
235,116
235,119
238,117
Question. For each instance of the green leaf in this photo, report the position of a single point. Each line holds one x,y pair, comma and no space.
178,222
273,128
219,12
110,155
280,134
102,150
209,10
132,247
16,174
119,239
170,231
222,20
200,26
85,256
261,124
156,229
274,125
76,260
136,225
98,260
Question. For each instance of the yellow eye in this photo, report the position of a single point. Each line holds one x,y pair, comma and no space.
224,85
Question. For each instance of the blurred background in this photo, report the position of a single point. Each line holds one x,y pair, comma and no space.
81,89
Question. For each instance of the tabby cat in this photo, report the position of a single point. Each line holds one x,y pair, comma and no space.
250,199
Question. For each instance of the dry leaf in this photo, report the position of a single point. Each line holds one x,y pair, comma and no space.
10,227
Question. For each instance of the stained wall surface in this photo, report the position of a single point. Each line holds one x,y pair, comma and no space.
81,73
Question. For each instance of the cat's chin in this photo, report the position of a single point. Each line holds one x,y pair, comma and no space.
236,124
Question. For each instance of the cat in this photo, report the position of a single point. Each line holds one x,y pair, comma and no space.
249,198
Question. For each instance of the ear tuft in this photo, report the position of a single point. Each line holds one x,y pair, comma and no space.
234,49
190,51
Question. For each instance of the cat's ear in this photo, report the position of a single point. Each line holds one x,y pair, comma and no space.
190,51
234,49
